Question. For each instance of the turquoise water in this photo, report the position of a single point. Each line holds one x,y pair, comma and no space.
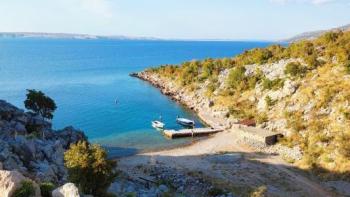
85,77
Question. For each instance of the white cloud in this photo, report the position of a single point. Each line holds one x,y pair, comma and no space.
315,2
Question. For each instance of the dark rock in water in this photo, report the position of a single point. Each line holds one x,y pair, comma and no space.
134,75
29,145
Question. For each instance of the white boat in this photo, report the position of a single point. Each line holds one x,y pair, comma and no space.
158,124
185,122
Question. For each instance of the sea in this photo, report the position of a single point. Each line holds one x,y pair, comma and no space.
90,83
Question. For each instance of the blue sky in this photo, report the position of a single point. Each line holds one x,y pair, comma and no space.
183,19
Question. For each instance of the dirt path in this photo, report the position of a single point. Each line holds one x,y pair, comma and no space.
222,157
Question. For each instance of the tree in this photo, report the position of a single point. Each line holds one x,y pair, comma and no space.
39,103
89,168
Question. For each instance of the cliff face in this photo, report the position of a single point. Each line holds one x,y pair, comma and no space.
300,91
29,145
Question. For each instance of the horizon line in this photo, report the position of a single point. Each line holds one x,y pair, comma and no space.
54,35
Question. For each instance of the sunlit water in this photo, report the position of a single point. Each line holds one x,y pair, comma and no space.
86,77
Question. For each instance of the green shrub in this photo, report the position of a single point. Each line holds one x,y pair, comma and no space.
269,101
46,189
237,113
347,66
261,118
236,77
25,190
311,61
89,168
272,84
294,69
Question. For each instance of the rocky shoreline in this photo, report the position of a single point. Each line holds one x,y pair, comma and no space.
29,145
213,117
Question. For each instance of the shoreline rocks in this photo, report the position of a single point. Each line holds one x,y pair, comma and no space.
29,145
66,190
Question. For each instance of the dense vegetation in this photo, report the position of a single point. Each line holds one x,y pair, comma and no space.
89,168
25,190
317,114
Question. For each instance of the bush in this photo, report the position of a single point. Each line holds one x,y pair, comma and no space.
261,118
25,190
294,69
39,103
236,77
269,101
46,189
89,168
272,84
347,66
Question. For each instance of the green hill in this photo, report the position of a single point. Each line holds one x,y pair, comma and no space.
302,90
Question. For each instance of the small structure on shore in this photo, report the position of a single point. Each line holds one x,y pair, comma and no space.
261,135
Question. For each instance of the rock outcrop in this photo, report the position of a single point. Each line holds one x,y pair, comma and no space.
10,181
29,145
67,190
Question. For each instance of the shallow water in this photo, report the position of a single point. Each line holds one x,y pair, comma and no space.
86,77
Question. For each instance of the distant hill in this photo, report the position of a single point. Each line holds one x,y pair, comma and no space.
314,34
67,36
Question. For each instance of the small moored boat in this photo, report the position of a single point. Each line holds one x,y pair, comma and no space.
158,124
185,122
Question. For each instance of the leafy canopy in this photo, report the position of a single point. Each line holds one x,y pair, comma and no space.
89,168
39,103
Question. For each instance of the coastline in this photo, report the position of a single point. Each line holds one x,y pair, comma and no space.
203,162
201,108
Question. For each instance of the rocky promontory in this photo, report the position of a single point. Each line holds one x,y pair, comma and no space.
29,145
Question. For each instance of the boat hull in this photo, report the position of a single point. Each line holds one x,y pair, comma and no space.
158,125
186,123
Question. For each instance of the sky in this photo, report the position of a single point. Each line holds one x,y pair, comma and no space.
175,19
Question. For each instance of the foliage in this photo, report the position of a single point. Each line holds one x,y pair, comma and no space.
25,190
261,118
347,66
275,84
295,121
295,69
39,103
236,77
46,189
269,101
89,168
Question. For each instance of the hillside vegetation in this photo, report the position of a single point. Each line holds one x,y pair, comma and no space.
302,90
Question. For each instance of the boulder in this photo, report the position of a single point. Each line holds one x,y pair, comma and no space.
11,180
67,190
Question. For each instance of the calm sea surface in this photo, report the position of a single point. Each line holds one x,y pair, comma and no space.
85,77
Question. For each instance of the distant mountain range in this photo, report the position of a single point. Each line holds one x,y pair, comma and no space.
67,36
314,34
